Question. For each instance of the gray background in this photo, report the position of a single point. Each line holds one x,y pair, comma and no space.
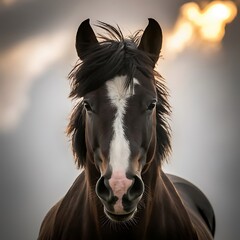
37,53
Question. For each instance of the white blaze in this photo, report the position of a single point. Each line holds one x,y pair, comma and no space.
119,146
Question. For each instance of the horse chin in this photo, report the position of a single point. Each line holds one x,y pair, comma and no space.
120,217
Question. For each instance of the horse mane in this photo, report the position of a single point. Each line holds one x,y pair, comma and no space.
115,55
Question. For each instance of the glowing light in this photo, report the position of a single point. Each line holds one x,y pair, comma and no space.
207,24
181,37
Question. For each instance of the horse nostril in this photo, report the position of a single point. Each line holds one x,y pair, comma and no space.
103,190
136,190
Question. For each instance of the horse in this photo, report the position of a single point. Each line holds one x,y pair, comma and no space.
120,135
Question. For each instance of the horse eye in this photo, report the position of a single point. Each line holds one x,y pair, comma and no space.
87,106
152,105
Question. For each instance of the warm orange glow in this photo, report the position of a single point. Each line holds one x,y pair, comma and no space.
181,36
7,2
207,24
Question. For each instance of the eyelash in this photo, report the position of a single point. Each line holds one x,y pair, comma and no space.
87,106
152,105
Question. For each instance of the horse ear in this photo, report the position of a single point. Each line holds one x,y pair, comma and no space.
85,38
151,41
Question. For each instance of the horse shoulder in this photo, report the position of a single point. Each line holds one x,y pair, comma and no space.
47,226
57,214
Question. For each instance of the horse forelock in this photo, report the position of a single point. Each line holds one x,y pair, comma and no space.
115,56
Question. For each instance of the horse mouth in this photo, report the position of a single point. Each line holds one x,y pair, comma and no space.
120,217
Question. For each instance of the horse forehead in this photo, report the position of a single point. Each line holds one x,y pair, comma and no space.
117,91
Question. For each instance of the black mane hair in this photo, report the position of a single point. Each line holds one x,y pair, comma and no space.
113,56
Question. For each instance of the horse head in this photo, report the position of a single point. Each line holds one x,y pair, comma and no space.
119,125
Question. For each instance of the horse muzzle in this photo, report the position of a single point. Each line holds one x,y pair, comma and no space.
120,195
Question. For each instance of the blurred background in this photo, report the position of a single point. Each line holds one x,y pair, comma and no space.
200,62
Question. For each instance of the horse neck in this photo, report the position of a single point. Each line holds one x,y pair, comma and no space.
164,204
